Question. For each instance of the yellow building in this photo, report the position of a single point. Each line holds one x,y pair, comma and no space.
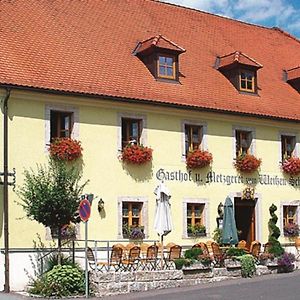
109,74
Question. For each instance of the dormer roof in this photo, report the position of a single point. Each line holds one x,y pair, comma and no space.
293,74
158,41
236,58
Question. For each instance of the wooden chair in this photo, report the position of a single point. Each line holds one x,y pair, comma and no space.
150,261
144,247
133,259
297,246
217,254
242,245
114,261
267,247
203,247
255,248
174,253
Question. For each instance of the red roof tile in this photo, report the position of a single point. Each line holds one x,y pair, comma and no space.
86,47
237,57
293,73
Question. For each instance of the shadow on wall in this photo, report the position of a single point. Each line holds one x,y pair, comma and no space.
140,173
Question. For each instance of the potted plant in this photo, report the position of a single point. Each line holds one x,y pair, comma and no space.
247,163
286,263
196,230
291,166
65,149
291,230
136,154
198,159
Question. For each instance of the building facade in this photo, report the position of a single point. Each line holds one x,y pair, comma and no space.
119,75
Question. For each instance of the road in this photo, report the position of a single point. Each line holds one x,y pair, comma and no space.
268,287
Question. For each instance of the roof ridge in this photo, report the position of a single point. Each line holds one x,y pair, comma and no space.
215,15
286,33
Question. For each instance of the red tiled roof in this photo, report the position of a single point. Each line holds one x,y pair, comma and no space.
238,57
86,47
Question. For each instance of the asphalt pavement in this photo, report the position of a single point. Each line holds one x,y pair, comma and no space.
268,287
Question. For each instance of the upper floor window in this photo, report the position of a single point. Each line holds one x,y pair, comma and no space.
193,137
247,81
288,144
131,131
243,142
61,124
166,67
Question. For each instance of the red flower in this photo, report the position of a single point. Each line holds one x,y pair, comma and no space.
247,163
291,166
198,159
65,149
136,154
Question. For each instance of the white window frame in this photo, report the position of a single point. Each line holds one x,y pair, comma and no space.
144,201
143,139
289,203
200,201
292,134
204,135
252,147
60,108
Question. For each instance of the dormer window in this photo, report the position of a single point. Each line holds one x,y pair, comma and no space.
166,67
292,77
240,70
160,56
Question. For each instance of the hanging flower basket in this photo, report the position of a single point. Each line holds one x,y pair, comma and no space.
247,163
248,193
198,159
291,166
65,149
136,154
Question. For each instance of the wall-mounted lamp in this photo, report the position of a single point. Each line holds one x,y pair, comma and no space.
100,205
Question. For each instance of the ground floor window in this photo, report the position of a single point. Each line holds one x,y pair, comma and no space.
290,220
195,218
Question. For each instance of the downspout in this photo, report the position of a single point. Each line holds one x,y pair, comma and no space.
5,190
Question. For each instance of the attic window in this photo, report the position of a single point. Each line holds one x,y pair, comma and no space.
292,77
240,70
161,57
166,67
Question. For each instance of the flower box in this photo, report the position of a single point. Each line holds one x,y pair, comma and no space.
291,230
65,149
198,159
247,163
196,230
291,166
136,154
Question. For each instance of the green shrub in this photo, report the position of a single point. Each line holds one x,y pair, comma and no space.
52,260
217,236
180,262
193,253
247,265
235,252
60,281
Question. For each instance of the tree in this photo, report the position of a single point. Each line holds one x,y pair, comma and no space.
51,195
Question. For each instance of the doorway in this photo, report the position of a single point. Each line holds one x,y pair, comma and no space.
244,211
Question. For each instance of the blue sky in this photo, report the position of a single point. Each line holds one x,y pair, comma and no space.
281,13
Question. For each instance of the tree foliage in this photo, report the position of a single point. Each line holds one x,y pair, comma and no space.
51,195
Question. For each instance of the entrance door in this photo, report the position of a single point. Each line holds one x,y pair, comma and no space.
245,219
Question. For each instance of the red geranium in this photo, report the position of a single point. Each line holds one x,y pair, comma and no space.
136,154
247,163
198,159
65,149
291,166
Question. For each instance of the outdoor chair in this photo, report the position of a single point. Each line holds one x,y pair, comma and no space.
203,247
150,261
267,247
114,262
255,248
242,245
131,263
297,246
217,254
173,253
144,247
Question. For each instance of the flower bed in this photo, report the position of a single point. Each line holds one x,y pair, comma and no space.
65,149
247,163
198,159
291,166
136,154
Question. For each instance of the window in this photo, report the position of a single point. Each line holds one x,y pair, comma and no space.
131,131
193,137
166,67
195,220
288,144
247,81
61,124
289,214
243,142
131,216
